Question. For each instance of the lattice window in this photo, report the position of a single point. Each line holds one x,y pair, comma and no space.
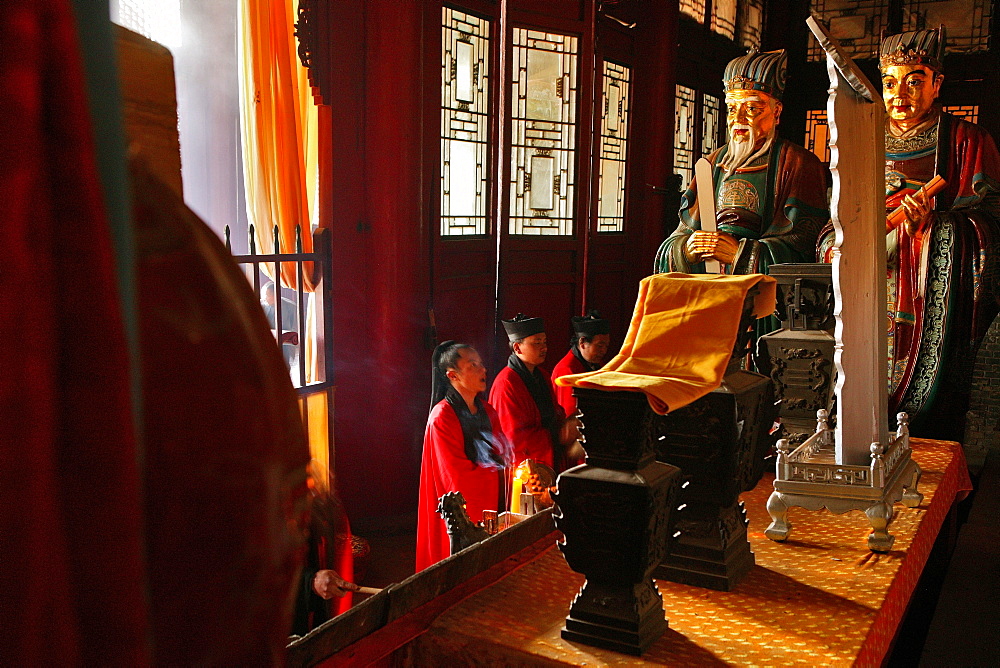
711,119
684,137
724,17
159,20
543,127
614,142
751,23
818,134
694,8
967,21
967,112
465,62
857,24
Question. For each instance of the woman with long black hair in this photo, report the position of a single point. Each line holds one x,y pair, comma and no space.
464,448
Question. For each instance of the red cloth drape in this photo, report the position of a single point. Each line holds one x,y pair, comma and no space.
71,569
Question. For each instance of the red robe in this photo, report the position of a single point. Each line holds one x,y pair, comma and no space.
444,468
520,418
568,365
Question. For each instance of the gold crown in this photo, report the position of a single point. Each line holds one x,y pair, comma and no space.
910,56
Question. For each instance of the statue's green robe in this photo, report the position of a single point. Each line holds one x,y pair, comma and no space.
775,207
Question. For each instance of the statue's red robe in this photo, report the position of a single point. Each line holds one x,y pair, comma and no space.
942,292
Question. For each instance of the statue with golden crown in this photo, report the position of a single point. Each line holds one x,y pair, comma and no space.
941,273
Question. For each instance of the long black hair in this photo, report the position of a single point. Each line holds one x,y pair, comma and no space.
445,357
477,431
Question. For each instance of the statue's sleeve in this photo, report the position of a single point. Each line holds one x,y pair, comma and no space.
670,256
801,210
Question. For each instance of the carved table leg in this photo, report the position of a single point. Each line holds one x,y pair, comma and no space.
778,510
911,497
880,515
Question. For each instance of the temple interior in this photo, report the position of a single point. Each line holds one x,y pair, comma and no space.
431,169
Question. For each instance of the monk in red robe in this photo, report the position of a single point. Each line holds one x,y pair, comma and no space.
589,346
464,448
522,395
591,336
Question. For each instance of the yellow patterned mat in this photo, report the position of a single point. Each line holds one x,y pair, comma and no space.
819,599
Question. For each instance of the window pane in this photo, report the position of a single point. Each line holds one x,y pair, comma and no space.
751,23
543,133
711,115
724,17
967,112
857,24
967,21
159,20
694,8
818,134
465,58
684,146
614,141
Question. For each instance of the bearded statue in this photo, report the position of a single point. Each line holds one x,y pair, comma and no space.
770,194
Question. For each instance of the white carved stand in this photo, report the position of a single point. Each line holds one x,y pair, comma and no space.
847,467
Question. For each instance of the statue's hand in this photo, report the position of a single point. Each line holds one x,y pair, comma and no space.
702,245
918,211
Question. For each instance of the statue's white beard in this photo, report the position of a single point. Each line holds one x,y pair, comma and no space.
742,153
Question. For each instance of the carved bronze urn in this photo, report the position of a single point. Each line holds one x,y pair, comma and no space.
719,442
614,512
799,356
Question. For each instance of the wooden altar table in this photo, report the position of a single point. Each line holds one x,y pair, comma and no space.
821,598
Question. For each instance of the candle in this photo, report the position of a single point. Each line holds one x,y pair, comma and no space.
515,494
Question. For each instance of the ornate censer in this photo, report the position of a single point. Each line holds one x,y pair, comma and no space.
799,356
719,442
614,511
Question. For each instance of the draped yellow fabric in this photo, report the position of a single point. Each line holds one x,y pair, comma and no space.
279,131
681,337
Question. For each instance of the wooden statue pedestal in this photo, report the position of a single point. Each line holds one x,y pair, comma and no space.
719,442
614,513
810,478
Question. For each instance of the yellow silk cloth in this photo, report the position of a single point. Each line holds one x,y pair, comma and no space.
681,337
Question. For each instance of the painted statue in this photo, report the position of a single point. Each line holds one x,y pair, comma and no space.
942,292
770,193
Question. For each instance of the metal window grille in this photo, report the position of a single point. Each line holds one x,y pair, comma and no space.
320,339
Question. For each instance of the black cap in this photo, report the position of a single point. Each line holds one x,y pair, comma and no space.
591,324
521,327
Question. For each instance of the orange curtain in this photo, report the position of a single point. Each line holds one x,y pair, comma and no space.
278,128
